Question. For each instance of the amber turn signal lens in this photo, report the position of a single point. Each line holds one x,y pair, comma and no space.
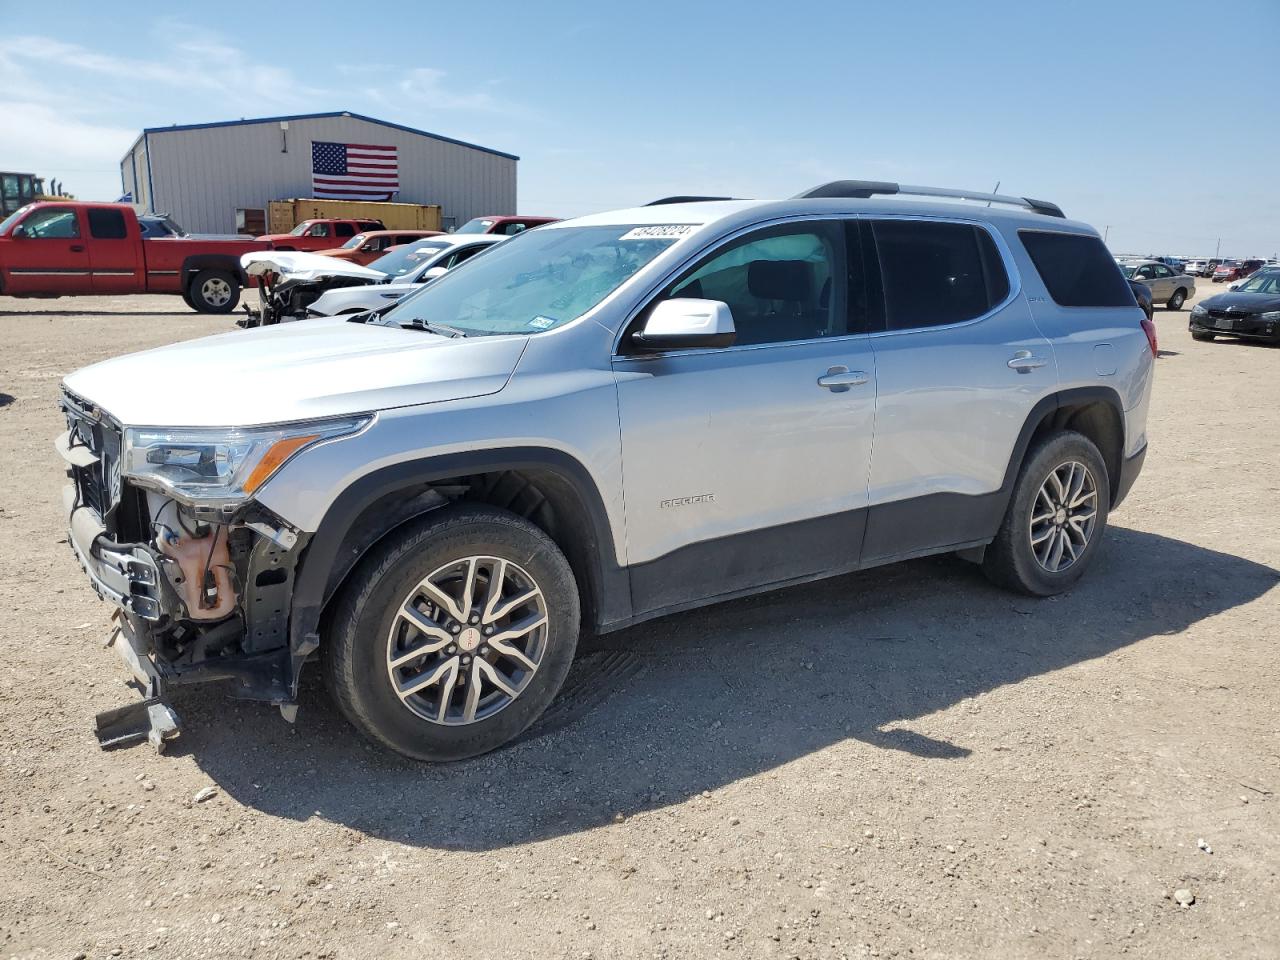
280,451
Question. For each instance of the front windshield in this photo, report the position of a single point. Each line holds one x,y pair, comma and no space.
1268,283
478,225
1129,269
13,218
300,229
399,262
537,281
354,242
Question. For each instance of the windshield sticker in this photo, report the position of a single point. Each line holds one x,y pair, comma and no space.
543,323
671,231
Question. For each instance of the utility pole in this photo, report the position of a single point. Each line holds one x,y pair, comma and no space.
1105,231
1218,249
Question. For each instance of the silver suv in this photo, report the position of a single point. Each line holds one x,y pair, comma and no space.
599,422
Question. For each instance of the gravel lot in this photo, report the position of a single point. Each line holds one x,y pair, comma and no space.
905,762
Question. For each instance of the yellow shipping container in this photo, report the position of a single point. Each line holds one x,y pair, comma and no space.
284,215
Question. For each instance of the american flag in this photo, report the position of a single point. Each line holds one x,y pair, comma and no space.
353,171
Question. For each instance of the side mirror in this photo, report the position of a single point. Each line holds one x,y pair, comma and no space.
1234,286
686,323
435,273
370,247
19,231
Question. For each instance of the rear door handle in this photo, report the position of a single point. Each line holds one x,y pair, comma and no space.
839,379
77,248
1024,362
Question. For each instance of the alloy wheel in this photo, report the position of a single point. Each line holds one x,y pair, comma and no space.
467,640
1063,516
216,291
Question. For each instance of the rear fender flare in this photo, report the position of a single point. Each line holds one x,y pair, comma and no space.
1045,408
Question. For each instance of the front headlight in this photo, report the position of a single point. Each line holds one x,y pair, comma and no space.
221,466
1270,315
1198,311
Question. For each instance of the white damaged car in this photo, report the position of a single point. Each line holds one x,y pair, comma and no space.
293,285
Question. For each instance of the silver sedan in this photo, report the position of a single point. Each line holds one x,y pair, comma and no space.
1171,289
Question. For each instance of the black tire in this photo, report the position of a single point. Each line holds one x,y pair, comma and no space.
1204,336
355,653
214,291
186,298
1177,300
1010,561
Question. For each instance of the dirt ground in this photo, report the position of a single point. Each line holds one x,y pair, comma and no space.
904,762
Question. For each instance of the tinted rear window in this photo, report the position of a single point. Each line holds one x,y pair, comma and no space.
106,224
938,273
1077,270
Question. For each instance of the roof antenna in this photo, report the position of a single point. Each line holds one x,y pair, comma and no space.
995,189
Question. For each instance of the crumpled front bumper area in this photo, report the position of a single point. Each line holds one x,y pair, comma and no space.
126,574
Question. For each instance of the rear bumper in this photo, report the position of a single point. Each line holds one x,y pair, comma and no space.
1129,471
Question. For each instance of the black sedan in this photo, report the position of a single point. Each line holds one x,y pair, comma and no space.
1249,310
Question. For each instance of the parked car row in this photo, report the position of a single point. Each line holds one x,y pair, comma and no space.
72,247
294,285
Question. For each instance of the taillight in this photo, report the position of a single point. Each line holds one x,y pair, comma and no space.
1149,329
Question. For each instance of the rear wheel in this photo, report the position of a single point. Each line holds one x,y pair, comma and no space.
1178,299
1204,336
214,291
454,635
1055,519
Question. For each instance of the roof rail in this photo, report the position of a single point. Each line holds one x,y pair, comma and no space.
862,189
665,200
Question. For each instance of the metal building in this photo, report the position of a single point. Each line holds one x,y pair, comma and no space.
218,177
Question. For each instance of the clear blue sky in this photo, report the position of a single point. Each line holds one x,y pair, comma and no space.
1157,119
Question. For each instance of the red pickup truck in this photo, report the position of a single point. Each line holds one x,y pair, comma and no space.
63,248
317,235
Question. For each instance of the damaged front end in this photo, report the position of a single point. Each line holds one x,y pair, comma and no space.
202,585
290,281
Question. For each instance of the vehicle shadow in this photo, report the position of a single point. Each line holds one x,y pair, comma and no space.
696,701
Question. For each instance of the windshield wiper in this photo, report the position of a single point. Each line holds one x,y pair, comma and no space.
440,328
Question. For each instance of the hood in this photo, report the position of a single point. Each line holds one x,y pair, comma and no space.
296,265
294,371
1244,302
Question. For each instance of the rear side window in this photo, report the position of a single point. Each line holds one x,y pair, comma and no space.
937,273
107,224
344,229
1077,270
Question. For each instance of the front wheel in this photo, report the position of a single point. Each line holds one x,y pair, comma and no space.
1178,299
214,291
454,634
1055,519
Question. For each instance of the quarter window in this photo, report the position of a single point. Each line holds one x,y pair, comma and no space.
106,224
53,223
937,273
1077,270
780,283
344,229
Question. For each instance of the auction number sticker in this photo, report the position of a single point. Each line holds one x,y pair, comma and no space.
670,231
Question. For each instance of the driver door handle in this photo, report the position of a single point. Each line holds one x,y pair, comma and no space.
1024,362
77,248
839,379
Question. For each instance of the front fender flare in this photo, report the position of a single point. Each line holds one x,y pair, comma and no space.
330,557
